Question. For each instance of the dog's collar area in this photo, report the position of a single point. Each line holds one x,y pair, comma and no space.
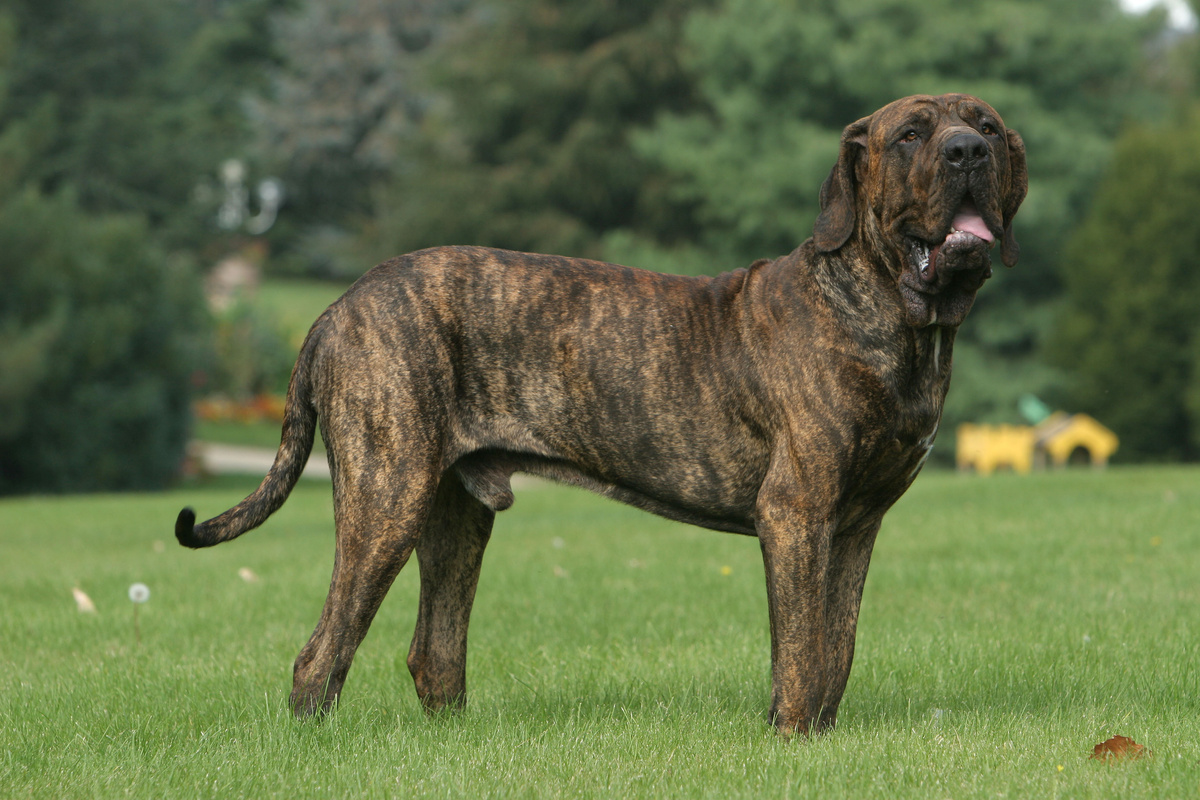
939,282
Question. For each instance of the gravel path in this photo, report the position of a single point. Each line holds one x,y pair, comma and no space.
226,459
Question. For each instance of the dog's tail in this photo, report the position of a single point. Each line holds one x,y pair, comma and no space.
296,441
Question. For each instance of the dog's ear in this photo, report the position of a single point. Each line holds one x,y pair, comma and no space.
1018,185
835,223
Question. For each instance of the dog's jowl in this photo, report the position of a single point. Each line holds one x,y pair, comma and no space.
794,400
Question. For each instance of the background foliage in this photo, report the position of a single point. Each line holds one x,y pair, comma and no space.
1130,330
682,136
97,338
112,112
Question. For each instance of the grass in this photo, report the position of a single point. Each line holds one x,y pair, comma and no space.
295,303
1009,624
261,434
243,434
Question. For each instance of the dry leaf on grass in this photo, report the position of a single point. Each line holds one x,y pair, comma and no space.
1119,748
83,602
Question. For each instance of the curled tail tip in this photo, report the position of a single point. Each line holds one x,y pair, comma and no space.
185,529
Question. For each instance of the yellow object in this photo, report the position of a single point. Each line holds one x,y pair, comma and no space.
1060,439
987,448
1062,435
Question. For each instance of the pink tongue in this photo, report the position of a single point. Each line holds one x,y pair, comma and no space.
968,220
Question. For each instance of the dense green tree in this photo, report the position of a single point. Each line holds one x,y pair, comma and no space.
1130,332
345,97
526,145
111,111
99,335
688,136
133,103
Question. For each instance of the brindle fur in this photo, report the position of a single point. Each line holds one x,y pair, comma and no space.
794,400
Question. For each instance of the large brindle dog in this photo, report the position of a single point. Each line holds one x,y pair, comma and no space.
794,400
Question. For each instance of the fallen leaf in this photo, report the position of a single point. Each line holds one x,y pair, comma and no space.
83,602
1119,747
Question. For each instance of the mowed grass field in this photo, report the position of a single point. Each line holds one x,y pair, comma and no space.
1009,625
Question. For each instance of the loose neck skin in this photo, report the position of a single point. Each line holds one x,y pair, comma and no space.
863,303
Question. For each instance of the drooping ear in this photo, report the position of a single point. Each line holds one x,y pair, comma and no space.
1018,185
835,223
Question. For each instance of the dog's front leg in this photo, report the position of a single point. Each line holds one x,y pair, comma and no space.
795,535
850,555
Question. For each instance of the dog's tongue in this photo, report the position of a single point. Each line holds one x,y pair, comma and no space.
967,219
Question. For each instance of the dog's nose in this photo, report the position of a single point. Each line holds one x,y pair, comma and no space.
965,151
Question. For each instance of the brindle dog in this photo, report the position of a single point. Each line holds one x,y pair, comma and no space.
794,401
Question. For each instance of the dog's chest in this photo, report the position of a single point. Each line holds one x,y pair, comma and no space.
902,448
918,453
902,458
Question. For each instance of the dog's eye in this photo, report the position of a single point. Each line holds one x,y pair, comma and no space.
910,136
989,129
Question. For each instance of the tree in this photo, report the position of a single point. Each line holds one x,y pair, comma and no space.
111,111
527,142
345,96
134,103
1130,332
99,335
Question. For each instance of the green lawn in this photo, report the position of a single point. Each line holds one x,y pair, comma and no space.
264,435
1009,624
295,303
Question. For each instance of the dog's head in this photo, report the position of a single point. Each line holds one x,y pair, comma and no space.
936,182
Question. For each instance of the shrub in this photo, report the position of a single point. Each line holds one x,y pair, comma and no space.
252,356
100,334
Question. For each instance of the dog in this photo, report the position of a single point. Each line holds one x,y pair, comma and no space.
794,400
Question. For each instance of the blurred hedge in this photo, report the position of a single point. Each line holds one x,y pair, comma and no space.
100,335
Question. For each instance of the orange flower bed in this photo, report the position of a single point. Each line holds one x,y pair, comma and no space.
259,408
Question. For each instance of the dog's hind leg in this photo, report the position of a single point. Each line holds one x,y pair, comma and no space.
379,515
450,554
